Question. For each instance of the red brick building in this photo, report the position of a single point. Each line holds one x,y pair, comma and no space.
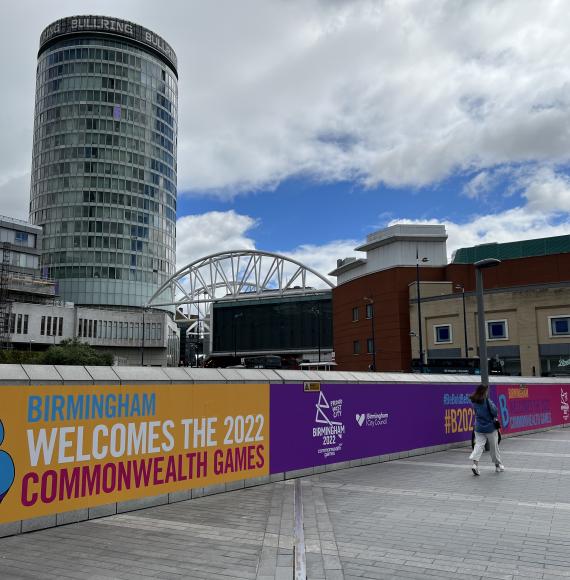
372,301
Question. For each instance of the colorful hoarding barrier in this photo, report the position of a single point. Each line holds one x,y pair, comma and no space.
65,448
526,407
343,422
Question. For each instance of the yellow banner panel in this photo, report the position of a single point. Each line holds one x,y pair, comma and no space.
64,448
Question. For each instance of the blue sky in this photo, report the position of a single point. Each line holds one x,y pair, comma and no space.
305,125
312,212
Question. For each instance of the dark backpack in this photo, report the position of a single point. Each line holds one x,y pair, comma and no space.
486,444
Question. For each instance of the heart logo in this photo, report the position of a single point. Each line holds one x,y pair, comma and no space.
360,418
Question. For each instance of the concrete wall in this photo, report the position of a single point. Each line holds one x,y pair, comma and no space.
35,313
127,350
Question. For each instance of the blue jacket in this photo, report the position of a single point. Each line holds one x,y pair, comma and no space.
484,421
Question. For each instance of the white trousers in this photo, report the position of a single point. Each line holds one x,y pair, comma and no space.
480,440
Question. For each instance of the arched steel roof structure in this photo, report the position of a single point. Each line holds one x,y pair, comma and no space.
236,275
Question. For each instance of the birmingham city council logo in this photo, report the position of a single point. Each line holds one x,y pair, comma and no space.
7,470
371,419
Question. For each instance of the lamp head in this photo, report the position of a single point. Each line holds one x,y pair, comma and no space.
487,263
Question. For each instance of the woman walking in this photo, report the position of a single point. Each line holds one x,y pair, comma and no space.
486,429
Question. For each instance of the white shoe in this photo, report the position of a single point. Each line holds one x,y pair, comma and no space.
475,469
499,467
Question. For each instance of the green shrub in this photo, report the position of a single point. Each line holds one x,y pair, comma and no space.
20,357
68,352
73,352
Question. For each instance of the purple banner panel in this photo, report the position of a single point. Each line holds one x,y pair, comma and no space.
344,422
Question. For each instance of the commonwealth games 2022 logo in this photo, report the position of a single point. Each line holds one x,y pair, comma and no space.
7,470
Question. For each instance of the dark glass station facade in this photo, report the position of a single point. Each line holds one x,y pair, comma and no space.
104,159
282,326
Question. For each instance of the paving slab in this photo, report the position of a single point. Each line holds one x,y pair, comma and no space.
419,517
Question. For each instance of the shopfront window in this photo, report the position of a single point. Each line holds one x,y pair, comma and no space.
555,366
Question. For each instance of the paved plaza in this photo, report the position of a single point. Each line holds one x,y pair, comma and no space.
421,517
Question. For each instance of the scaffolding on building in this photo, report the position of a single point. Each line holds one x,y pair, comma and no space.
5,302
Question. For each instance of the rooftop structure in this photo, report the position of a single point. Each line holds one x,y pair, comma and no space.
397,245
512,250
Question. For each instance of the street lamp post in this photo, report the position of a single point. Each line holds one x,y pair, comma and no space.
479,267
462,288
53,322
371,302
420,333
236,316
197,349
142,337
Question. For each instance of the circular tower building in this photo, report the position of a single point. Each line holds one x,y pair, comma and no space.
104,159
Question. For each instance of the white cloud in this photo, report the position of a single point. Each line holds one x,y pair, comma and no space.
547,191
322,258
15,196
509,226
479,185
201,235
544,213
403,93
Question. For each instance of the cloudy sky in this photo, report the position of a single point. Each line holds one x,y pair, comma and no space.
307,124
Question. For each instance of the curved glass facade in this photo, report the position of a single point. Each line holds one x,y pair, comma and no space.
104,165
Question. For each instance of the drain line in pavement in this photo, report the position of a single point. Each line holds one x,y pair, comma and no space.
300,572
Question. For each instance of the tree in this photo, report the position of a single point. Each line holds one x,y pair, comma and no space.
73,352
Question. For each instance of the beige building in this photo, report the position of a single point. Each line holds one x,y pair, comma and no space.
528,327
